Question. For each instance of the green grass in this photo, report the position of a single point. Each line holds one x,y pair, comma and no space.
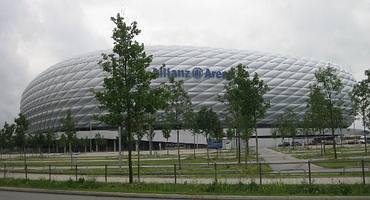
187,170
225,156
195,189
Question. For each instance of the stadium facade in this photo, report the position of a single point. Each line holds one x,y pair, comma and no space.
68,85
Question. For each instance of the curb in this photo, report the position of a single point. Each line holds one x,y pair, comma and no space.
176,196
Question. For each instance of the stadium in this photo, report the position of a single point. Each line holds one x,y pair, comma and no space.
68,85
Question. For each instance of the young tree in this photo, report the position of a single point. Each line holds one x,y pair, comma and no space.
2,143
68,126
166,132
208,123
245,135
21,126
151,119
361,100
244,97
287,125
330,85
40,141
317,113
85,142
8,131
126,92
191,124
63,142
69,129
306,128
140,132
179,104
50,139
99,141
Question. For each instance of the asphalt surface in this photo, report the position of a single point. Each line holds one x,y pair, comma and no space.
27,194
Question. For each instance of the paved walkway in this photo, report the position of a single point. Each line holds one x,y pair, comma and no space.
271,156
281,162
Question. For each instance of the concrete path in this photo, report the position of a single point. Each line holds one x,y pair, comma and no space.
298,165
281,162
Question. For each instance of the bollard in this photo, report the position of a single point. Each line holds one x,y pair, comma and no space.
106,172
363,172
215,165
49,172
25,170
4,170
174,173
260,172
76,172
309,172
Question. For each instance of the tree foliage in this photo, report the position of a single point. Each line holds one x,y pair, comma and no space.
244,98
361,101
21,126
208,124
287,124
126,95
178,105
68,125
329,84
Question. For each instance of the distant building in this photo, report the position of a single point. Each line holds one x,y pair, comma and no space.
68,85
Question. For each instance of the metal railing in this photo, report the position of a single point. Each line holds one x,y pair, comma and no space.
286,172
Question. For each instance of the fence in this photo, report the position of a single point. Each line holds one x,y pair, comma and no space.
263,173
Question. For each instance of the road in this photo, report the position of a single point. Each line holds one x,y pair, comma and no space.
7,195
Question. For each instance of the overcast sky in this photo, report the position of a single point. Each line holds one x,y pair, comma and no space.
35,34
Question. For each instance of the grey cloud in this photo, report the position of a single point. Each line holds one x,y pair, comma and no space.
36,34
34,30
333,30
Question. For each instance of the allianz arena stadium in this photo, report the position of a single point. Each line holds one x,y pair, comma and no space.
68,85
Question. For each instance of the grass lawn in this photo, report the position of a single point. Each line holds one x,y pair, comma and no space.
150,165
348,156
251,189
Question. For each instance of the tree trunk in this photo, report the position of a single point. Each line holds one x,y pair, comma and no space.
49,148
207,150
194,145
150,140
255,129
25,156
129,134
138,160
178,148
239,148
334,143
364,124
167,147
246,153
257,157
333,130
